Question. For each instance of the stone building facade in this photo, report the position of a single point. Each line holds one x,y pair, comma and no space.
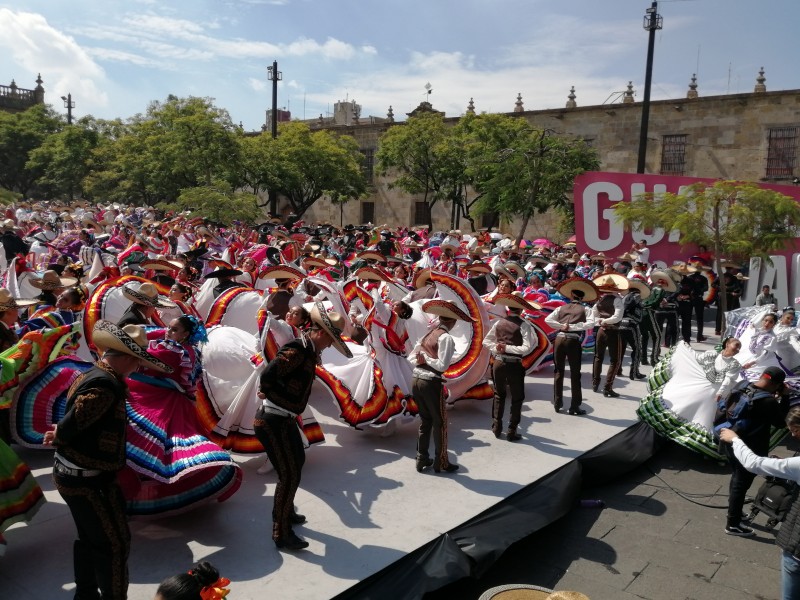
16,99
752,136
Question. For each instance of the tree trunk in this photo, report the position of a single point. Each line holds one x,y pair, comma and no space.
522,229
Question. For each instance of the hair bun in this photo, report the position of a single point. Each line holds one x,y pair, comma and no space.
206,573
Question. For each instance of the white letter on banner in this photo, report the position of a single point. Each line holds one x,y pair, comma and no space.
591,216
637,189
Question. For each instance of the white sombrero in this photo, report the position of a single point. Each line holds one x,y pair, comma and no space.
130,339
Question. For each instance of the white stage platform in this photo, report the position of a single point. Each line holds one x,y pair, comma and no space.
366,505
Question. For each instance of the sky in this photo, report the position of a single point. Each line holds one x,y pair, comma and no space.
115,57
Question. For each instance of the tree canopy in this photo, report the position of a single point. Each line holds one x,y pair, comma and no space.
736,220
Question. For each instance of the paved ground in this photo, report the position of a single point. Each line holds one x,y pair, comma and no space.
659,537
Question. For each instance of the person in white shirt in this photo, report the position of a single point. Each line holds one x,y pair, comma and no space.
641,251
431,357
509,340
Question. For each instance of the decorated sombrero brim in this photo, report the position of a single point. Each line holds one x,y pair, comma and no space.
157,264
663,280
644,289
224,272
478,267
446,309
130,339
628,257
147,295
281,272
421,277
515,269
611,282
598,256
8,302
683,269
218,263
333,324
515,301
371,255
372,274
51,281
588,288
315,261
447,245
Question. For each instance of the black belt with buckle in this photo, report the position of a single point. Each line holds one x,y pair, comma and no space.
63,469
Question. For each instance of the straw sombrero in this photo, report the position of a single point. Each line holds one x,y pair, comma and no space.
51,281
145,294
611,282
446,309
281,272
331,323
130,339
589,289
522,591
538,259
315,261
8,302
599,256
662,279
515,301
683,269
452,247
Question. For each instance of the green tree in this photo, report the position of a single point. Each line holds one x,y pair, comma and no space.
20,134
420,152
735,219
257,167
63,159
178,144
533,174
310,164
219,203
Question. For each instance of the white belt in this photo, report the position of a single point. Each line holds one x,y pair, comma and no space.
270,408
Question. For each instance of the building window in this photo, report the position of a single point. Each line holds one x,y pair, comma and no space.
422,213
367,212
368,165
490,219
782,152
673,154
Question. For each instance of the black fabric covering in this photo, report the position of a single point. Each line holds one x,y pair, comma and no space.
471,548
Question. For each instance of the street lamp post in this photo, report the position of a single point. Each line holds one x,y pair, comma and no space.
652,22
274,76
69,105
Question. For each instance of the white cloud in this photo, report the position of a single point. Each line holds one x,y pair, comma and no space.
256,84
120,56
369,50
66,67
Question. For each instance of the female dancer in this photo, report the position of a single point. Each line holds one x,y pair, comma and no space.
177,466
683,407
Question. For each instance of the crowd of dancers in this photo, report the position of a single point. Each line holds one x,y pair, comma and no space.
218,339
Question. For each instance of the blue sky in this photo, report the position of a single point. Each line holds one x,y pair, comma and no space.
114,57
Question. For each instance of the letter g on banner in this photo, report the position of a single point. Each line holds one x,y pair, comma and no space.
594,215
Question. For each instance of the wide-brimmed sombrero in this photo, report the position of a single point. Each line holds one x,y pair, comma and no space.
371,255
523,591
51,281
599,256
515,301
662,279
331,323
611,282
683,269
447,246
372,274
515,269
639,284
538,259
224,272
8,302
315,261
161,264
145,294
130,339
446,309
579,284
421,278
281,272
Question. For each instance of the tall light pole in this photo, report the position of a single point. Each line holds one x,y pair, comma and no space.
652,22
274,76
69,105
